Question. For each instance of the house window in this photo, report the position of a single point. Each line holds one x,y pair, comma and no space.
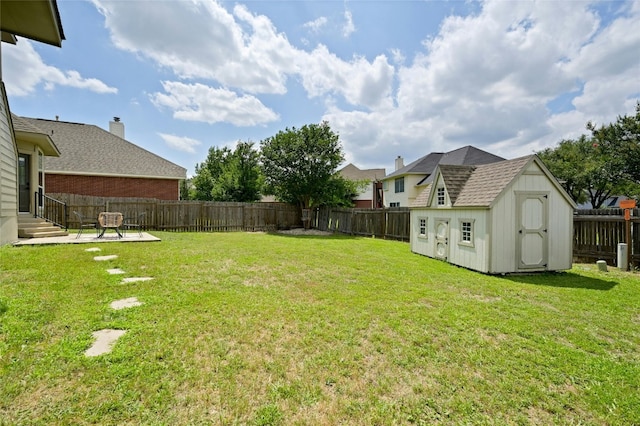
385,185
466,232
399,184
441,196
422,227
397,204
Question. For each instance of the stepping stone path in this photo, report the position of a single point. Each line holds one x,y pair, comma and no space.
103,258
136,279
105,339
125,303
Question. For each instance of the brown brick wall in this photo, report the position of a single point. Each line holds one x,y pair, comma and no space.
105,186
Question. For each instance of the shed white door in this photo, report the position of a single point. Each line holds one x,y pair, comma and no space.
442,238
532,213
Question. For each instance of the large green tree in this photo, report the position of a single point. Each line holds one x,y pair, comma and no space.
594,167
299,167
240,178
228,175
620,141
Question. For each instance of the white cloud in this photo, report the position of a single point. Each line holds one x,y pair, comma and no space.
181,143
349,27
316,25
22,56
486,80
197,102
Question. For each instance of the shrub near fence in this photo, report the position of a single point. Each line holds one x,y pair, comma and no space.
185,216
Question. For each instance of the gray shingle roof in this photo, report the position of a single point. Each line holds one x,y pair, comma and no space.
488,181
465,155
89,150
475,186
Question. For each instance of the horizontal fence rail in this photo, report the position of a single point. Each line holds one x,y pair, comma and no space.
597,233
392,223
187,216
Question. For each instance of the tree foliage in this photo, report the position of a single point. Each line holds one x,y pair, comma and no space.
299,167
228,175
594,167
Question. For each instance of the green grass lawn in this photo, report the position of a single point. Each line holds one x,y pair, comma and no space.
261,329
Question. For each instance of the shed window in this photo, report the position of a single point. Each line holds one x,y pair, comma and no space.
466,232
399,184
422,227
441,196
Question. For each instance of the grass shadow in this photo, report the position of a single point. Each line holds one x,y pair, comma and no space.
563,280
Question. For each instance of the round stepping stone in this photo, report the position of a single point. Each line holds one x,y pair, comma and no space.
103,258
115,271
136,279
125,303
105,339
93,249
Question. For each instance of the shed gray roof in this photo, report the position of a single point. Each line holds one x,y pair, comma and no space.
86,149
480,186
465,155
485,182
353,173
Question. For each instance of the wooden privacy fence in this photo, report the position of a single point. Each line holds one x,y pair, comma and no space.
596,234
187,215
392,223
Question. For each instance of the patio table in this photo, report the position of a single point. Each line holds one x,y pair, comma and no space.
110,220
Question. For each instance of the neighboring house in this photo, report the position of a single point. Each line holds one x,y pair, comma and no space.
612,202
403,185
22,147
97,162
371,196
505,217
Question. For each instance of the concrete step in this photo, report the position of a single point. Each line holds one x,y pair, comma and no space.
43,234
31,227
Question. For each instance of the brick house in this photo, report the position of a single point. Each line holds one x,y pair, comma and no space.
103,163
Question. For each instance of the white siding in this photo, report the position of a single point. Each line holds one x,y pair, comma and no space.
495,232
8,175
504,224
472,257
410,190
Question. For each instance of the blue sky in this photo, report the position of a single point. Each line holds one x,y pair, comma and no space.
391,77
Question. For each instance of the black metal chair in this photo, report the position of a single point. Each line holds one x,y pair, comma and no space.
85,224
133,223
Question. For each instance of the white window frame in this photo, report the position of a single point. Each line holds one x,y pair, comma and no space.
422,227
385,185
441,196
471,232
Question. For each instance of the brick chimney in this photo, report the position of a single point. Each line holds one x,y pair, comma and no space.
399,163
116,127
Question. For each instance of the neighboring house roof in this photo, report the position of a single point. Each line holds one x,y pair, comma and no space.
427,164
24,131
480,186
351,172
35,19
86,149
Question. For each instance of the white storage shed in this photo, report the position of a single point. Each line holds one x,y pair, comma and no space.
505,217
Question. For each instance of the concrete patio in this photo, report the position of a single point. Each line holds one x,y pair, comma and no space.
88,237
